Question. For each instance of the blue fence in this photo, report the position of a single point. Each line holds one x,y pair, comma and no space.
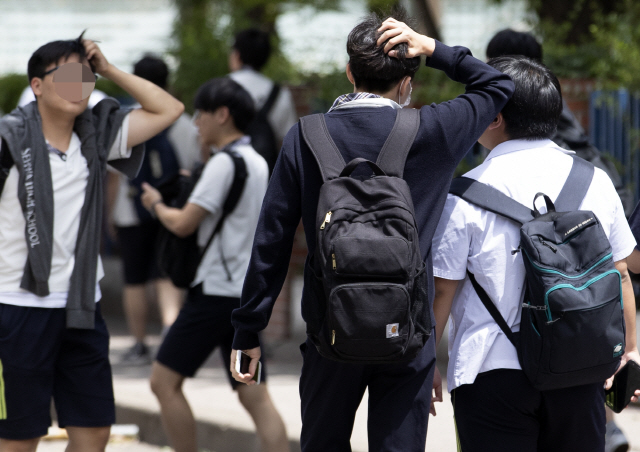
614,128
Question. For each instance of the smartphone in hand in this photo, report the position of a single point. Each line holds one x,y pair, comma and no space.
625,384
242,366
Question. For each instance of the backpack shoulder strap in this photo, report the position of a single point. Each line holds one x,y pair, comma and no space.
490,199
393,156
323,148
271,100
492,308
237,187
576,186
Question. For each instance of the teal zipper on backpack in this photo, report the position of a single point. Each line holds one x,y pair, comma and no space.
547,270
584,286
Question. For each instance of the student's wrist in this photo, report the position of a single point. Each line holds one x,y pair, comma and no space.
428,45
154,205
108,72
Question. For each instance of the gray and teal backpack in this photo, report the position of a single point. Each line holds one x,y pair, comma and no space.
572,328
366,285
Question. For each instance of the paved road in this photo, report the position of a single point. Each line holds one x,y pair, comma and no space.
129,446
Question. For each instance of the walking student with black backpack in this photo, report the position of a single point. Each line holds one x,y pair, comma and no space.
275,111
220,214
530,263
369,180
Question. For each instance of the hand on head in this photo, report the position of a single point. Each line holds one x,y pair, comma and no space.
395,32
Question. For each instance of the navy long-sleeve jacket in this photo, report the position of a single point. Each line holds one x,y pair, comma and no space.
447,131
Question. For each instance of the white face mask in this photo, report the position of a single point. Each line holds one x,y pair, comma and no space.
408,99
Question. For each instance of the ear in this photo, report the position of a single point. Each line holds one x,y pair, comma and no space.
350,75
497,123
222,114
36,86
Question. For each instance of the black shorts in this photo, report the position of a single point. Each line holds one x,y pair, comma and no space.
138,248
39,359
203,324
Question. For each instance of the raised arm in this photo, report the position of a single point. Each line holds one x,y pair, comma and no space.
461,121
159,109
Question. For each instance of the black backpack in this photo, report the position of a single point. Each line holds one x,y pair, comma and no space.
367,281
180,257
159,165
572,328
263,139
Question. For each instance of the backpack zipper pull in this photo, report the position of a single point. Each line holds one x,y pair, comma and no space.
548,245
333,258
327,219
333,337
516,251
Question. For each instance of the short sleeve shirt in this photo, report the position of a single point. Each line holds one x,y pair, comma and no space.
235,239
69,175
471,238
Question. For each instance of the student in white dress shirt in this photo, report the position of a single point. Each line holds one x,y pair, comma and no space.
495,406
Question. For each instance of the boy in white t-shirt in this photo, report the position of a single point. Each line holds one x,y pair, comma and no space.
223,111
53,340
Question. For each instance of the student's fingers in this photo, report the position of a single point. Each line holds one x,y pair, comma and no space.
390,23
399,39
608,383
432,409
438,391
232,364
241,378
390,33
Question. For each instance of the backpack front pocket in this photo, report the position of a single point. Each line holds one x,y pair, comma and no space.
371,257
369,320
588,337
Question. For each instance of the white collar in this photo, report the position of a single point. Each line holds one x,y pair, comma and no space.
509,146
375,102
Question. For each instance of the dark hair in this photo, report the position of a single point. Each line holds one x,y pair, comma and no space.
372,69
534,109
53,52
153,69
510,42
253,46
225,92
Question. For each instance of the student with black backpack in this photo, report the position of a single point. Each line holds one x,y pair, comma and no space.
275,111
237,175
368,279
541,304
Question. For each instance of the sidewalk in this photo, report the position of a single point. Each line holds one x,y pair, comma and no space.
224,426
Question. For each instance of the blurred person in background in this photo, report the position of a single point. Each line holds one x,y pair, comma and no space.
275,111
224,234
54,343
136,230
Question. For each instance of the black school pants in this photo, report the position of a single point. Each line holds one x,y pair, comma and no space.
399,401
502,412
